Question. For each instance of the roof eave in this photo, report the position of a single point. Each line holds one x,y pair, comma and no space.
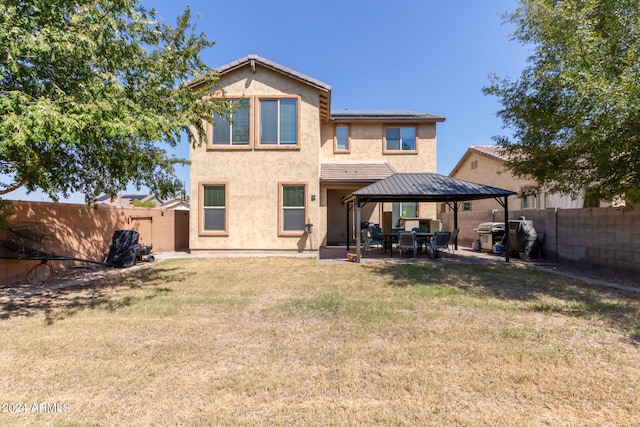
387,119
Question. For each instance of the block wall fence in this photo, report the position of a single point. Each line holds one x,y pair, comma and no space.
600,237
83,231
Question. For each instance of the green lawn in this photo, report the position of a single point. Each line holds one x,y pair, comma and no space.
279,341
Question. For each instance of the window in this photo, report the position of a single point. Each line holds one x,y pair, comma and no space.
279,122
400,139
214,208
342,140
403,210
292,208
233,130
530,201
474,164
529,197
466,206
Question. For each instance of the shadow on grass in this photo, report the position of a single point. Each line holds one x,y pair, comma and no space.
534,289
100,294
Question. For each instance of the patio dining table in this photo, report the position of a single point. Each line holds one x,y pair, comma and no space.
390,238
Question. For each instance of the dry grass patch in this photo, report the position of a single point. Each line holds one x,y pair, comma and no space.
286,341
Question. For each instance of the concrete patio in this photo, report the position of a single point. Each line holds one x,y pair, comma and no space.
335,254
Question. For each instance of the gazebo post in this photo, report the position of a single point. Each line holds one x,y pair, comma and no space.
348,227
358,231
455,221
506,244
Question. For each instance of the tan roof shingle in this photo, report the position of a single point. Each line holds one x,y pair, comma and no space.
355,172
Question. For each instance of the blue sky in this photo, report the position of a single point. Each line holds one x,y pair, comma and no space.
422,55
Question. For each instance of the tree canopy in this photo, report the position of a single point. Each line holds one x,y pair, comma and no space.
88,88
574,112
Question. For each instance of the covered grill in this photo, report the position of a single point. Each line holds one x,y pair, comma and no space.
490,235
523,238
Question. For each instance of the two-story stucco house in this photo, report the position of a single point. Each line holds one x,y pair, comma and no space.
273,178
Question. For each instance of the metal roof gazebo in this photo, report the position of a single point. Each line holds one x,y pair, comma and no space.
427,187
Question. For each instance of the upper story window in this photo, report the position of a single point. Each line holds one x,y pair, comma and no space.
474,164
342,141
234,130
279,122
530,201
400,139
529,197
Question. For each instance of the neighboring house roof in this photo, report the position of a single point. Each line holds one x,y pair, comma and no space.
126,199
427,187
255,61
494,152
178,204
355,172
383,115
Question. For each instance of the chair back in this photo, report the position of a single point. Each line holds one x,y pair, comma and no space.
419,230
454,235
406,240
375,231
441,239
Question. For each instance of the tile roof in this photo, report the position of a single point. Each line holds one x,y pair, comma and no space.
355,172
255,60
494,151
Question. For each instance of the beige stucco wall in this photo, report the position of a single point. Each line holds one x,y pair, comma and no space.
367,146
367,141
492,172
253,176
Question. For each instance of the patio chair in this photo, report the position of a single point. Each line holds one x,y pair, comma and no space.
420,239
407,242
453,240
375,232
369,241
440,241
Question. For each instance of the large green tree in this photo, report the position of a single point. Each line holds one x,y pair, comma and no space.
88,88
573,115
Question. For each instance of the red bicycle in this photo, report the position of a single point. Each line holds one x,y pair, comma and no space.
39,274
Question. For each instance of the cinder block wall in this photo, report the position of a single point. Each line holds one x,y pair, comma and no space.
602,237
83,231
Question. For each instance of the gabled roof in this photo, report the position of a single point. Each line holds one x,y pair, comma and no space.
494,152
427,187
255,61
126,199
383,116
355,172
176,204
